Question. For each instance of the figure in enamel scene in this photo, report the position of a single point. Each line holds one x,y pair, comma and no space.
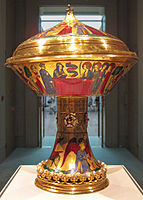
87,74
21,74
84,161
37,79
94,165
96,68
30,80
81,163
54,160
59,71
101,77
116,76
55,156
107,77
47,79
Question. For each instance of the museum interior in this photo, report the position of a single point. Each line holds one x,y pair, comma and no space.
28,122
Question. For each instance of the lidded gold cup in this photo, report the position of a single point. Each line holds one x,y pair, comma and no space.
71,61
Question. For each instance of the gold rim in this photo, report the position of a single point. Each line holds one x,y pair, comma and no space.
72,188
130,58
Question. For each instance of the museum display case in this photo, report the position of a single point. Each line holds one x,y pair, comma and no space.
71,61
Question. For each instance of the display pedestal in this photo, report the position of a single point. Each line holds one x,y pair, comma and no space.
21,186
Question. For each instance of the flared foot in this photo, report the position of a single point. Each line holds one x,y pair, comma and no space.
72,188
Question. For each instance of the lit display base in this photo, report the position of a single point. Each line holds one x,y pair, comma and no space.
21,186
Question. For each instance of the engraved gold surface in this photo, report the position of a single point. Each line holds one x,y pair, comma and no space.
74,56
69,47
73,189
69,39
77,41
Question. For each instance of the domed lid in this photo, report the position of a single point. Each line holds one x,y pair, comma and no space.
71,39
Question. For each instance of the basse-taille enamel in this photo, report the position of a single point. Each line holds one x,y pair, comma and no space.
71,61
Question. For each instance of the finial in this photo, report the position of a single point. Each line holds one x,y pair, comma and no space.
69,10
69,6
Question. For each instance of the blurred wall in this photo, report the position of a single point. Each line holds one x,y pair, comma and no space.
7,78
139,79
2,82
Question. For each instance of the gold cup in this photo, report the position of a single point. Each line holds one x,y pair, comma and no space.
71,61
